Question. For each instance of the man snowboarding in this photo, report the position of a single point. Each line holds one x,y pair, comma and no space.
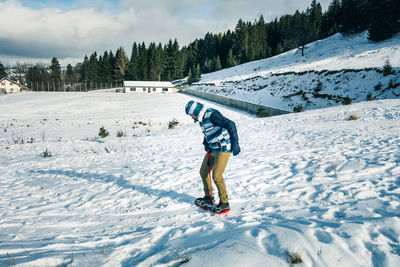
220,140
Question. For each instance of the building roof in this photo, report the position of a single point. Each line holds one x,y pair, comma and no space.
8,79
23,87
147,84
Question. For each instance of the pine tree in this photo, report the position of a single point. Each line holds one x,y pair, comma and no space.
278,49
84,69
92,71
55,74
241,44
70,75
192,55
315,16
217,64
178,63
190,77
196,74
226,45
274,36
2,71
302,31
383,20
262,39
207,66
251,55
160,55
230,61
151,55
354,15
155,62
142,69
133,64
331,19
172,69
121,65
210,42
387,68
106,70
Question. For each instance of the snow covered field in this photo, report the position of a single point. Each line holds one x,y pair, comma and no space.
312,183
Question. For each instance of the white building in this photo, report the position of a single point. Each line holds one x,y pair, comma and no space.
8,86
148,87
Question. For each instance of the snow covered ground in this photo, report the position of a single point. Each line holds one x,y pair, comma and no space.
313,183
337,52
331,70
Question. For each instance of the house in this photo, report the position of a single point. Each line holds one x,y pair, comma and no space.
148,87
8,86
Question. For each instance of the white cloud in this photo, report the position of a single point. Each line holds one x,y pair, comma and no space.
34,32
88,26
47,32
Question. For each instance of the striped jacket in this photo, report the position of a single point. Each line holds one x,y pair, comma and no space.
216,138
220,133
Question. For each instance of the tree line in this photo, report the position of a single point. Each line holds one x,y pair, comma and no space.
247,42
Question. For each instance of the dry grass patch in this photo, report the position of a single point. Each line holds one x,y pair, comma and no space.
353,117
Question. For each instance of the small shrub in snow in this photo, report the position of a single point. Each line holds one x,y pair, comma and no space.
353,117
392,84
46,153
110,149
261,113
387,68
332,167
347,100
294,257
173,123
18,140
103,132
120,133
378,86
370,97
319,86
298,109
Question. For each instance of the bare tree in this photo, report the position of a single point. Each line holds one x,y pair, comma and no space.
21,70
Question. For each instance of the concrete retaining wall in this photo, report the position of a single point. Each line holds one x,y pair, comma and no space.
234,103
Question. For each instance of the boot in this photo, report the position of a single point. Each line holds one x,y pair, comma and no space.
205,202
221,208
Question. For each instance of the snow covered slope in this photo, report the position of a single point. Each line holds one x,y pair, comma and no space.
311,183
345,66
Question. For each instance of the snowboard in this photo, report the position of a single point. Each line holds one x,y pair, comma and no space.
211,208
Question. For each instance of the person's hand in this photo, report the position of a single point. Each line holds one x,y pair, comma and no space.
235,149
206,148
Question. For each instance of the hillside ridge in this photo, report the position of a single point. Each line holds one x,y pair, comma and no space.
337,70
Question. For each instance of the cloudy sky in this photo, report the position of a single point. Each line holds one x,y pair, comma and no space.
33,31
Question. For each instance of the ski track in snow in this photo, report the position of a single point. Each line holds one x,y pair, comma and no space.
313,183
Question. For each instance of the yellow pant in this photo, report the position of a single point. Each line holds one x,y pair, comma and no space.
218,162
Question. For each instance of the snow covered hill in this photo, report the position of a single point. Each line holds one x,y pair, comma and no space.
332,71
314,186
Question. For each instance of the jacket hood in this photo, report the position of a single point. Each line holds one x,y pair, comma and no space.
195,108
